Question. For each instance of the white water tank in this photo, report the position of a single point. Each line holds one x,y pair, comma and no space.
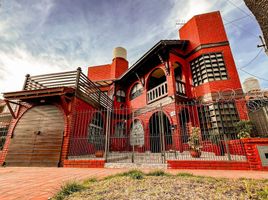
120,52
251,84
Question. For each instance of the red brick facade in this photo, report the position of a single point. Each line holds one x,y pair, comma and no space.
202,35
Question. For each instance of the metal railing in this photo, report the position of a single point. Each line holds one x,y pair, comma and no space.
180,88
84,88
148,135
157,92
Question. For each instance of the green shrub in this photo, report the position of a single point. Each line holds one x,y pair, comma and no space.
68,189
244,129
157,173
135,174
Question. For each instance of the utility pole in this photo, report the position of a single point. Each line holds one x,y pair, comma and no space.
263,45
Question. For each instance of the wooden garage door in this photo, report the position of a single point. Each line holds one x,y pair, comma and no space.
37,138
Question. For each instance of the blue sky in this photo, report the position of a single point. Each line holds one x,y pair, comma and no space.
59,35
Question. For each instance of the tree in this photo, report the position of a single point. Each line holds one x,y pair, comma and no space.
259,8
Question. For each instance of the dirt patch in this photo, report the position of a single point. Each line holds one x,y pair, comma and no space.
172,187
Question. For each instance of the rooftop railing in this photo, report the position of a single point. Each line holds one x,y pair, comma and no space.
84,88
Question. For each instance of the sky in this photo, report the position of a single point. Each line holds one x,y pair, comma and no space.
47,36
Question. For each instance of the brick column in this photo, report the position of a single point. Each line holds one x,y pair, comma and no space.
252,153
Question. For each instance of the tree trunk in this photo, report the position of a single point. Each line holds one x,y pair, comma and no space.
259,8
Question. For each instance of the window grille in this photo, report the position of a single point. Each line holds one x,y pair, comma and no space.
218,119
96,134
208,67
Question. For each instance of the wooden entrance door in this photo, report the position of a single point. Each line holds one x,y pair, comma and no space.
37,138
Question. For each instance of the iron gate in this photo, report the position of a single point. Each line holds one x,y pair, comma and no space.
162,133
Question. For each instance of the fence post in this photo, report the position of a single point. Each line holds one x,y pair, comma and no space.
25,82
79,70
133,147
224,135
161,121
107,138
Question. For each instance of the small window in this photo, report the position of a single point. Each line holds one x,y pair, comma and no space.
120,96
211,64
136,91
96,134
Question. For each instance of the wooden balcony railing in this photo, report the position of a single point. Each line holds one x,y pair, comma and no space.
84,88
180,88
157,92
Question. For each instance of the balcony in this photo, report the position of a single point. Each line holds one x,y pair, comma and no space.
157,92
180,88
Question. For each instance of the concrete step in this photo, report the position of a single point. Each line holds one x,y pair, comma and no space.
136,165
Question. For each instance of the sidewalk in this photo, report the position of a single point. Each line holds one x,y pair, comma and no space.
42,183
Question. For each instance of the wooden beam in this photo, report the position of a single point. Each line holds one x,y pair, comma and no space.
10,109
65,105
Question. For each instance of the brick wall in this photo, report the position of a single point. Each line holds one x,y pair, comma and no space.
253,154
84,163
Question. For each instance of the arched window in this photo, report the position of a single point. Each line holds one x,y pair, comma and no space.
96,131
120,130
136,91
137,133
120,96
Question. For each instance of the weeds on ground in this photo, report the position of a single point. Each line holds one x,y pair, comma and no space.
87,182
134,174
263,194
68,189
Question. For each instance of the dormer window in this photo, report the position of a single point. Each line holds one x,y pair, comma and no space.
120,96
136,91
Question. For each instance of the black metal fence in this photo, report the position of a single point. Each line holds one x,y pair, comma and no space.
183,131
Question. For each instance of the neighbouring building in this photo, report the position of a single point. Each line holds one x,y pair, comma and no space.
257,99
143,113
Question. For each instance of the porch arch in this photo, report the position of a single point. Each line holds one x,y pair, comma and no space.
156,78
159,125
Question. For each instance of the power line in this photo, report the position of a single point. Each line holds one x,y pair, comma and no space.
242,10
245,30
253,75
237,19
253,59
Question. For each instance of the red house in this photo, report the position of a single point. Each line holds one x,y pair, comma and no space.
145,113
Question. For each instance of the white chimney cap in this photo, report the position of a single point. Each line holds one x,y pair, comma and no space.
120,52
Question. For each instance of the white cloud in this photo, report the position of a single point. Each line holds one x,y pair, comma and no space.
38,39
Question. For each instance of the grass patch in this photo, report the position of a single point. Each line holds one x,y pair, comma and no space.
68,189
157,173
